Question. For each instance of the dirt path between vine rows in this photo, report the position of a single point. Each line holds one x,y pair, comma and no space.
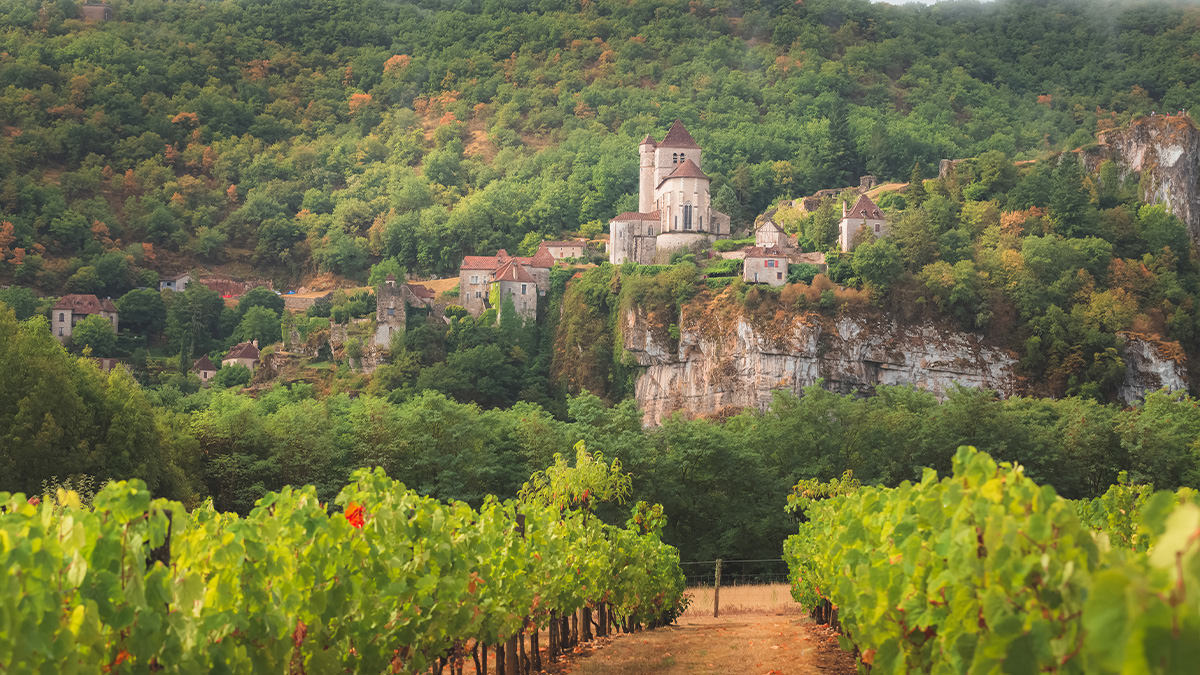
746,642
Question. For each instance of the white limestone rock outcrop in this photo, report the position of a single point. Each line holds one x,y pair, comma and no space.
725,360
1163,153
731,361
1150,365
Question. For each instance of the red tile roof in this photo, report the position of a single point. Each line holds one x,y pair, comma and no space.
864,208
203,363
686,169
542,258
634,215
678,137
243,350
491,262
514,271
764,252
84,303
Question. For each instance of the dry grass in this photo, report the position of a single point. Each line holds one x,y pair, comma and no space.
743,599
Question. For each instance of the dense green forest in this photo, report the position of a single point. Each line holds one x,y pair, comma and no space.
361,138
309,136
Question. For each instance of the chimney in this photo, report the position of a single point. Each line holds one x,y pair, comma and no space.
254,342
843,209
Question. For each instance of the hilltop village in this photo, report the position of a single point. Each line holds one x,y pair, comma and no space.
675,215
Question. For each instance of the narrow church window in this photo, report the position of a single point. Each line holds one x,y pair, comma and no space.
687,216
701,222
682,156
674,157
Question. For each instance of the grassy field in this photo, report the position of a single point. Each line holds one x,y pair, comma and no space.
743,599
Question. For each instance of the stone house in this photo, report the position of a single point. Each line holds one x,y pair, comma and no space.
175,283
476,274
204,368
863,215
765,266
514,280
392,301
674,205
564,249
242,354
71,309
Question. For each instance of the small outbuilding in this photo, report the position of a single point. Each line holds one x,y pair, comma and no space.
765,266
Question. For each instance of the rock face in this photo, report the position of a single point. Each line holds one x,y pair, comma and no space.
1164,151
725,361
1150,365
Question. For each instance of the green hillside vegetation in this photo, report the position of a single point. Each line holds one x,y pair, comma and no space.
302,136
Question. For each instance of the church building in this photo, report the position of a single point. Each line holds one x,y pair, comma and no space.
674,205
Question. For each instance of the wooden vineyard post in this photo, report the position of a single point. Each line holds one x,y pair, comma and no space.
717,590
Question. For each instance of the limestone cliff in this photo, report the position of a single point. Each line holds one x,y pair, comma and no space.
732,360
1150,365
728,359
1164,153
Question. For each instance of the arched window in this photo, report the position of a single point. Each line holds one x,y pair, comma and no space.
687,216
682,157
674,157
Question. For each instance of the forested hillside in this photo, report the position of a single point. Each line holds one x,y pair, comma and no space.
306,137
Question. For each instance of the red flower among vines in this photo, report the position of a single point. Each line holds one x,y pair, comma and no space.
355,515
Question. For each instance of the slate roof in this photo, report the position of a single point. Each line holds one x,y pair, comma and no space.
85,303
634,215
678,137
243,350
864,208
764,252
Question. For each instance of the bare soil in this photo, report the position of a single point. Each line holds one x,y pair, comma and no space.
739,643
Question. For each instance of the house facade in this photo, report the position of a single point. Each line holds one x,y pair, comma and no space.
516,282
765,266
71,309
864,215
674,205
477,273
204,368
175,283
565,249
242,354
770,235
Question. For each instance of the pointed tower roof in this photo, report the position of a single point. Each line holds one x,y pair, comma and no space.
678,137
649,140
685,169
864,208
